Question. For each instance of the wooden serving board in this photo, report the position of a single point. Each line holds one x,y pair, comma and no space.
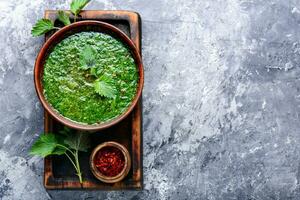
58,171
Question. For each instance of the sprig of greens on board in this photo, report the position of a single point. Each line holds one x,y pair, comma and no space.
63,143
64,17
77,6
43,26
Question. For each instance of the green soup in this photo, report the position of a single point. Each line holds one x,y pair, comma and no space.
70,90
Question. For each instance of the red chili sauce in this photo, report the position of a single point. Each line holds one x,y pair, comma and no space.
109,161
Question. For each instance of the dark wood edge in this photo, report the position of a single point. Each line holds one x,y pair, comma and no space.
137,119
134,21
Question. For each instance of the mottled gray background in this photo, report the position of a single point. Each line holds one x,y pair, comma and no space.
221,99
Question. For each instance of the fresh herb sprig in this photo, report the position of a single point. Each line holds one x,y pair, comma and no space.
77,6
43,26
64,17
104,88
102,85
87,58
65,143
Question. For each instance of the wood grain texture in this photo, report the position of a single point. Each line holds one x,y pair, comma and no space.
128,132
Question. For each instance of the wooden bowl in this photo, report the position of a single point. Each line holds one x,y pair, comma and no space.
63,33
122,174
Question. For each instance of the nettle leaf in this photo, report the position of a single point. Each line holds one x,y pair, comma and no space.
78,141
64,17
105,88
85,142
42,26
87,57
59,151
67,140
78,5
45,145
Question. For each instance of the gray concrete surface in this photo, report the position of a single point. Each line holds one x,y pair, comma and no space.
221,100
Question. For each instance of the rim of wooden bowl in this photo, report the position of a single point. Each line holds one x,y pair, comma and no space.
63,33
122,174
